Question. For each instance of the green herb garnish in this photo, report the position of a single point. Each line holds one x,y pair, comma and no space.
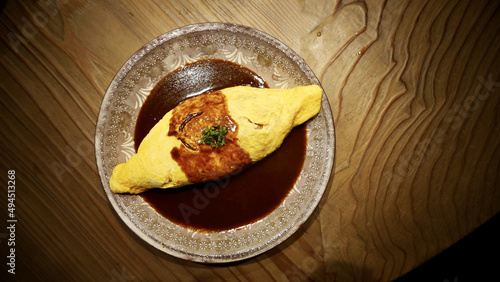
214,136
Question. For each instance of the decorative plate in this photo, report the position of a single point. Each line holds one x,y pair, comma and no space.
281,68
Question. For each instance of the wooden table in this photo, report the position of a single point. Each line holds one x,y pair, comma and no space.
414,90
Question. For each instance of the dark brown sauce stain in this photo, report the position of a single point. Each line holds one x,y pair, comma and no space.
245,196
202,162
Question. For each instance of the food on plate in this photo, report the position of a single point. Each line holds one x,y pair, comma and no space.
214,135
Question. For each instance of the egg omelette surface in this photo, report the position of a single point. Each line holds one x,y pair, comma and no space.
257,120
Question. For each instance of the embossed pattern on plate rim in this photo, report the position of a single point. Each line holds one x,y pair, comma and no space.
306,211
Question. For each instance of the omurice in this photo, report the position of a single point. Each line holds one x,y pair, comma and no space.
210,136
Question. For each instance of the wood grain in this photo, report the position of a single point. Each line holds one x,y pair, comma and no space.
413,86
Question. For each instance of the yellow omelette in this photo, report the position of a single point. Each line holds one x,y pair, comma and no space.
250,122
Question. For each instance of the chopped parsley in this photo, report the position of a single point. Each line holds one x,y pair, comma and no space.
214,136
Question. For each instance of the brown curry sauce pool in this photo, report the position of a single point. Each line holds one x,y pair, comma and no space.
240,199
